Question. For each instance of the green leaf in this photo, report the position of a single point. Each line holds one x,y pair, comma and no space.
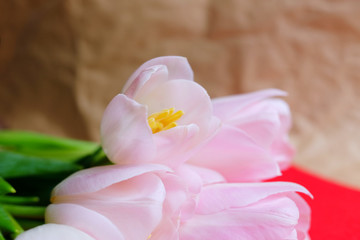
1,236
16,165
8,223
39,145
5,187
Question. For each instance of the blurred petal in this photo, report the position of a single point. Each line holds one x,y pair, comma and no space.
97,178
207,176
236,156
196,177
126,135
282,152
146,80
84,219
168,230
54,232
303,224
226,107
133,205
178,68
176,144
176,194
264,121
271,219
219,197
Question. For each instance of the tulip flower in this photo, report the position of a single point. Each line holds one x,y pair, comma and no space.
252,143
270,210
152,202
161,116
110,202
54,232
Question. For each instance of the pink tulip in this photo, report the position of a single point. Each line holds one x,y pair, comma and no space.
162,113
252,144
270,211
54,232
111,202
152,202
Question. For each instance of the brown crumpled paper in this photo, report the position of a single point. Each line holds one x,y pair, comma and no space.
62,61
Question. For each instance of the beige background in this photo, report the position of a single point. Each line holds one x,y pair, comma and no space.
62,61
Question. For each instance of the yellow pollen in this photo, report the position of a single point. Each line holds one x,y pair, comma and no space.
149,236
164,120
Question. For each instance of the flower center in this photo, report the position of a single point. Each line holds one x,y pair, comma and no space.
164,120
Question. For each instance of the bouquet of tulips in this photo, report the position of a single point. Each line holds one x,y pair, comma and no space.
173,165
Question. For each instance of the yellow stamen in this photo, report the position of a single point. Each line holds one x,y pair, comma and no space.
164,120
149,236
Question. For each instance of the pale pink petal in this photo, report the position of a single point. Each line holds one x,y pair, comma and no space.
270,219
54,232
262,127
147,80
167,230
282,152
226,107
175,145
134,206
178,68
268,123
84,219
218,197
236,156
94,179
264,121
196,177
303,224
125,133
176,193
207,175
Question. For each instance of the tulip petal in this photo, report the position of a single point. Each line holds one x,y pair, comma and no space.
54,232
148,79
94,179
167,231
126,135
176,193
218,197
196,177
264,121
271,219
84,219
236,156
226,107
178,68
134,206
303,224
175,145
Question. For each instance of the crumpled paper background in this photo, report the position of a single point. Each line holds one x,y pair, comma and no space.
61,62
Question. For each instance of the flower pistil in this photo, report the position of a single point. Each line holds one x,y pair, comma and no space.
164,119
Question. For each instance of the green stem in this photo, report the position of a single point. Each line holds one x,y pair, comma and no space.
18,200
34,212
